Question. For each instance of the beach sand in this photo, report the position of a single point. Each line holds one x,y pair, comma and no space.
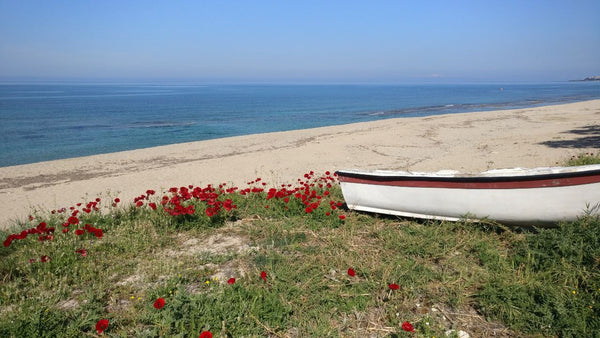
468,142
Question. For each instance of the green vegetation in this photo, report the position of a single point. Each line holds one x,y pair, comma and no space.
117,260
584,159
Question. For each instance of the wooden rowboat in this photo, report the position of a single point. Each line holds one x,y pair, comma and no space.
539,196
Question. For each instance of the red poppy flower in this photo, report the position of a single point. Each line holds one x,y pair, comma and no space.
73,220
205,334
152,205
79,232
82,252
351,272
101,325
263,275
342,217
394,286
209,212
406,326
45,259
231,281
228,204
159,303
117,200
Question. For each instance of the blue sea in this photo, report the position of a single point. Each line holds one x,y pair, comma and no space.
48,121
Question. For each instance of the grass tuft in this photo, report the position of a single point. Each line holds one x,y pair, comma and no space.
583,159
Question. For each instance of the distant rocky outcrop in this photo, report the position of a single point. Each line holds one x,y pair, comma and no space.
590,78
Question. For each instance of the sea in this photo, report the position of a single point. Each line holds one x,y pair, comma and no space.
42,121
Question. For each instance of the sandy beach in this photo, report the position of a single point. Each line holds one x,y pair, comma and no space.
468,142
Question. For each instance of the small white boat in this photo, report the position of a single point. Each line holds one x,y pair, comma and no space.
539,196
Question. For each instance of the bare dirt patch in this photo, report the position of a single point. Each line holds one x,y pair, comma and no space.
225,241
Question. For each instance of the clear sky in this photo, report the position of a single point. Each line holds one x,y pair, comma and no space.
301,41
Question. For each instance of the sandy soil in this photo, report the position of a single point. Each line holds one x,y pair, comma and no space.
469,142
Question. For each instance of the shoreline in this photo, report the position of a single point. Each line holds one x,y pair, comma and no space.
469,142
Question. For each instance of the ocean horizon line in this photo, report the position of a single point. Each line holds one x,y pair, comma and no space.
275,82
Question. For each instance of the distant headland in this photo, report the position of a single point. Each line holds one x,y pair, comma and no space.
590,78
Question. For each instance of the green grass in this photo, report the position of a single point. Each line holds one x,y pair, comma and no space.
480,278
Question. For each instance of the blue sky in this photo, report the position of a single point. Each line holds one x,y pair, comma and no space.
301,41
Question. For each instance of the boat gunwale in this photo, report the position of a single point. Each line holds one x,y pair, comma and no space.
534,180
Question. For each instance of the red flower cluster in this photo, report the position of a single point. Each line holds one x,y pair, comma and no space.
93,205
306,192
184,200
90,229
42,229
75,220
43,259
47,233
139,201
180,203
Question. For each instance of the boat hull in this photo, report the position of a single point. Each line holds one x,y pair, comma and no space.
532,197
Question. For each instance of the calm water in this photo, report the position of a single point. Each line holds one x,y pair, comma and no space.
40,122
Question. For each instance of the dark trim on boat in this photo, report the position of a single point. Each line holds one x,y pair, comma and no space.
475,182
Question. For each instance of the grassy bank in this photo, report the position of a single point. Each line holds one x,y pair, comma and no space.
289,262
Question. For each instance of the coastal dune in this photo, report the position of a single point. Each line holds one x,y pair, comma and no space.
468,142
